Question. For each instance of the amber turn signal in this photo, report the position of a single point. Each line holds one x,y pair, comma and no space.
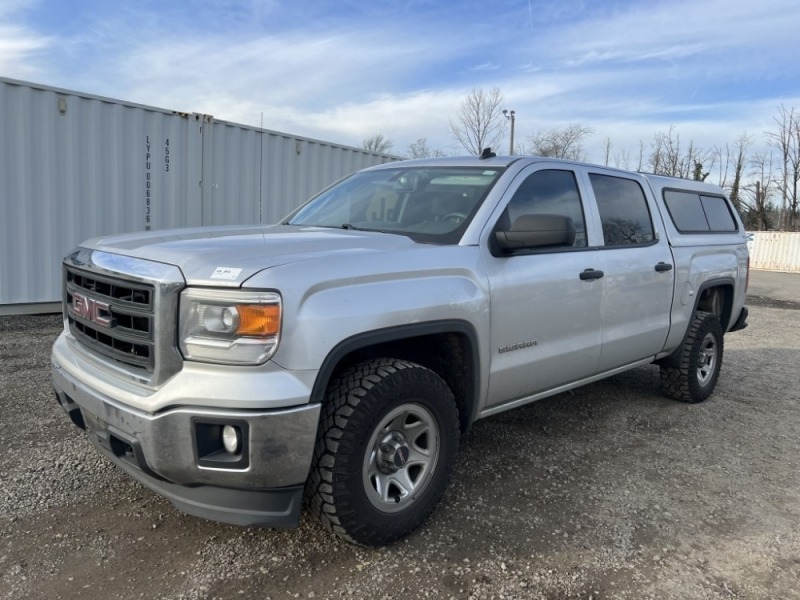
259,319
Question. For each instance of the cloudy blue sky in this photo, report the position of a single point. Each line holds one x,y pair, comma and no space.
347,69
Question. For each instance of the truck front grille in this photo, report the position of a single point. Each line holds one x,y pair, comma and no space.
112,316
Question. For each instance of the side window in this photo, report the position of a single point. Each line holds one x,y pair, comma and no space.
693,213
549,192
623,211
685,211
717,213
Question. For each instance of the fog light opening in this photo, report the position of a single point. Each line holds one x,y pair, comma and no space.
232,439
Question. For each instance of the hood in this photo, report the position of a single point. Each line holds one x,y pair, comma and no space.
228,256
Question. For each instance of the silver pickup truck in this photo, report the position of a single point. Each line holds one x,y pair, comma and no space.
338,356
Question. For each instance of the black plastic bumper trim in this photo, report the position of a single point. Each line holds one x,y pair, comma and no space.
741,322
277,507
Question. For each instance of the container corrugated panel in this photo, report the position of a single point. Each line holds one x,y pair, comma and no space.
775,251
259,176
231,166
75,166
315,166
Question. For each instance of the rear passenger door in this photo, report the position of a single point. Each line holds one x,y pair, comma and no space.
639,270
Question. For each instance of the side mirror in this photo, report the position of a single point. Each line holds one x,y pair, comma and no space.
537,231
406,183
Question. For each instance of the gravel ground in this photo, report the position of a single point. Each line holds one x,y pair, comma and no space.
611,491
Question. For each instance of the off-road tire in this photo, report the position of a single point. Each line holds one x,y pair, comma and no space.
357,405
691,373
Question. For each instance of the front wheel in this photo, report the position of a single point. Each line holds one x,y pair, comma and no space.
386,443
692,372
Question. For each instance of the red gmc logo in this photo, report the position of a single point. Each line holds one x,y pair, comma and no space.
96,311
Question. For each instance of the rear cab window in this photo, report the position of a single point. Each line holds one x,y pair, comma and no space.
693,212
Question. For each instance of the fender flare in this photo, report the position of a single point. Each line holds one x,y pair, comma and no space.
401,332
725,317
672,359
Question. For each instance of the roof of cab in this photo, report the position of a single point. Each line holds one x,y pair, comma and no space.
657,182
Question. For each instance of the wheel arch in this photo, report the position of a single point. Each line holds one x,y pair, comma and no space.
448,347
705,301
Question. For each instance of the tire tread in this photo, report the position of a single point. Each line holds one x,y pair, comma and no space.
678,375
325,496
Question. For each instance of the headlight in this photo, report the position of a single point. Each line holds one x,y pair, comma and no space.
229,326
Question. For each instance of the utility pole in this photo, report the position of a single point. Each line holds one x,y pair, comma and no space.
510,115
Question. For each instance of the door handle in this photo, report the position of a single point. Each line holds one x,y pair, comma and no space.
591,274
662,267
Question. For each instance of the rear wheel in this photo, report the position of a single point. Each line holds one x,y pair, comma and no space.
386,443
690,375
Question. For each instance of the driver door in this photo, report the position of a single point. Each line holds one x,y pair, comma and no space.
546,313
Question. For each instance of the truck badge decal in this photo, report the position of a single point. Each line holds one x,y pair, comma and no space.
517,346
401,456
96,311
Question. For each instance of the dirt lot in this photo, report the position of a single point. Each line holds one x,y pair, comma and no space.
612,491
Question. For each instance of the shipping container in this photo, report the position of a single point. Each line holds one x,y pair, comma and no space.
775,251
75,166
252,175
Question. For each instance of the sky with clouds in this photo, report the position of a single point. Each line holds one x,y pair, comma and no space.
344,70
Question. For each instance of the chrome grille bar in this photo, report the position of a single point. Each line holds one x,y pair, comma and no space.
122,312
126,332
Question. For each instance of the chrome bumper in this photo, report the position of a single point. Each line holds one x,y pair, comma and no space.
161,451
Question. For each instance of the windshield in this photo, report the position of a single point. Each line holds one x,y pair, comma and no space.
428,204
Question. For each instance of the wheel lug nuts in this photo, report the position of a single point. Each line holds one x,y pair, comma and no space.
386,448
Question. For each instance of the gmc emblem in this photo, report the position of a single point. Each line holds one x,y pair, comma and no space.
96,311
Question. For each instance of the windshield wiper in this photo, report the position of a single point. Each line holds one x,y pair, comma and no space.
389,231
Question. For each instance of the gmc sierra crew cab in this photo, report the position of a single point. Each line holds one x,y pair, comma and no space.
337,357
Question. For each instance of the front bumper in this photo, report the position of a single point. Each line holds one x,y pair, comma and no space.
160,450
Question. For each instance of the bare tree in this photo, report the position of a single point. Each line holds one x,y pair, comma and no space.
703,160
756,199
729,157
795,179
622,231
480,122
668,158
420,149
738,161
787,140
377,143
641,156
561,142
658,161
607,149
783,141
622,159
723,156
